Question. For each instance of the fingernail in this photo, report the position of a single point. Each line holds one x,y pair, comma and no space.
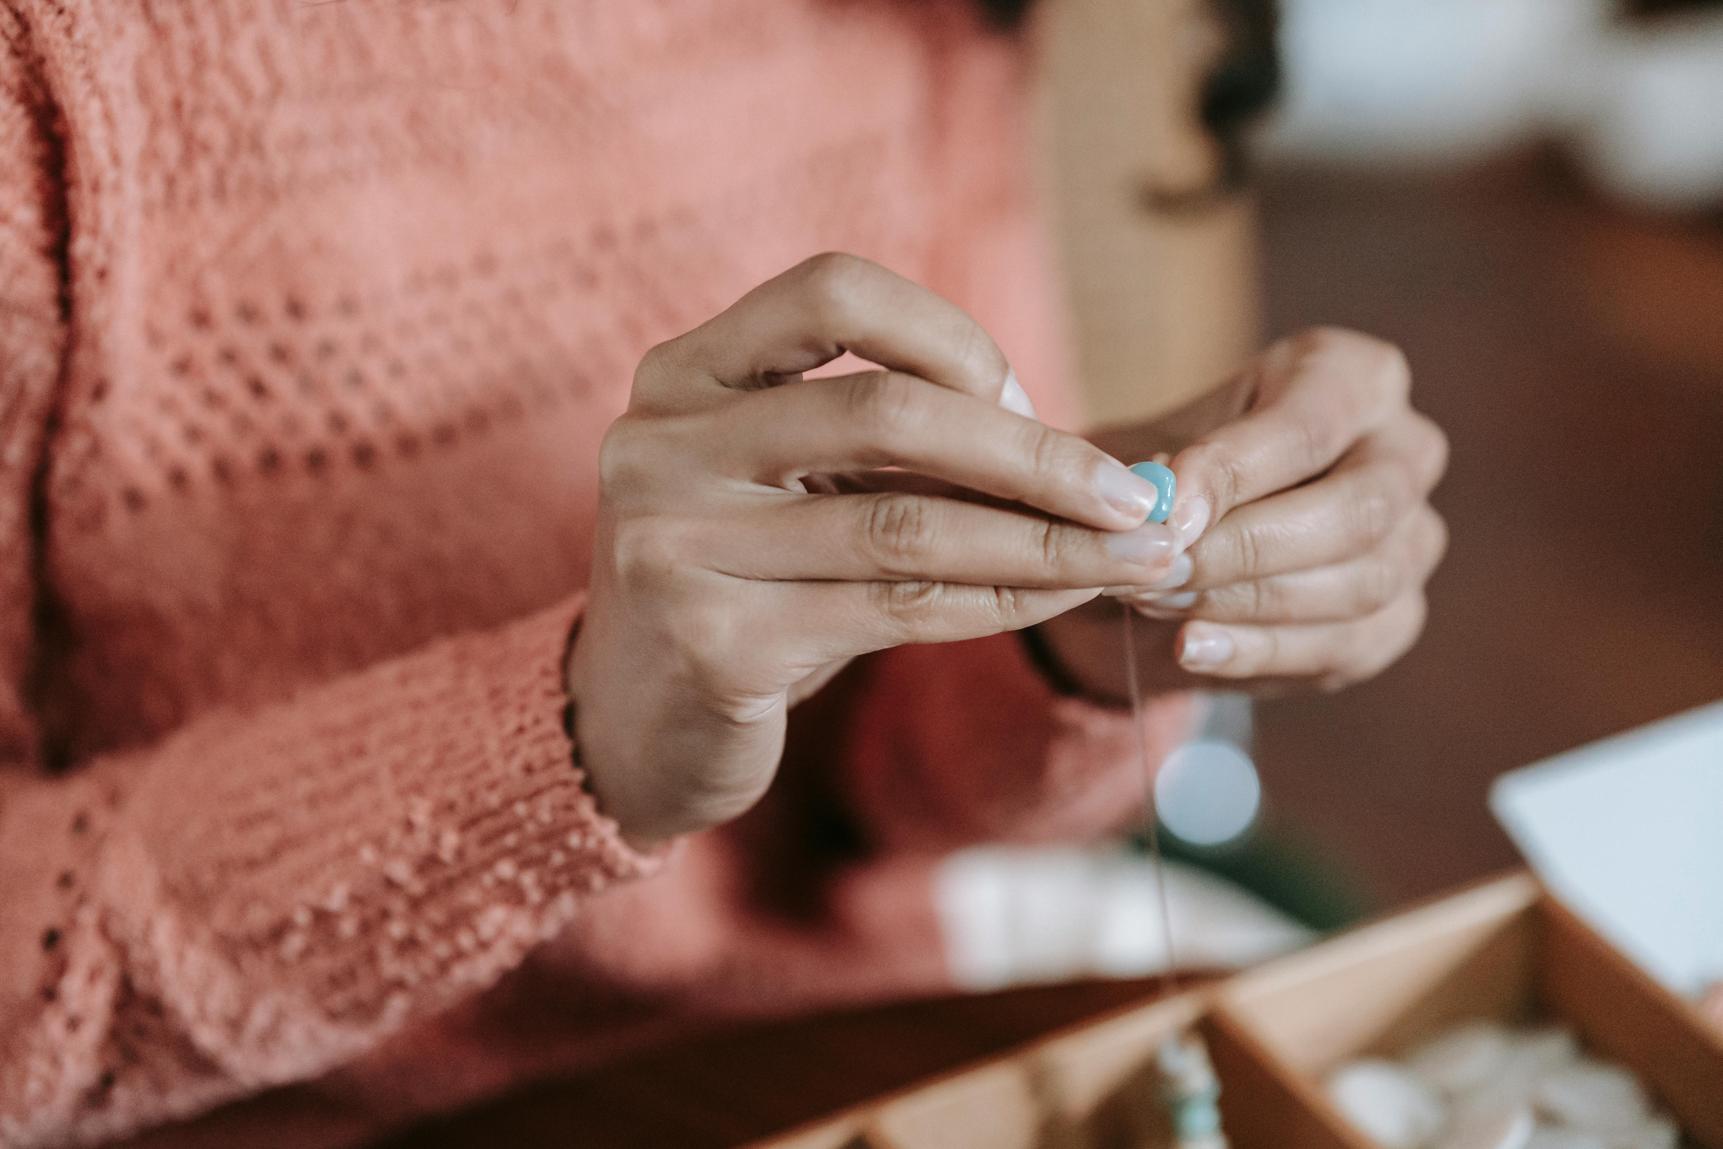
1165,603
1205,648
1189,520
1165,607
1123,491
1150,546
1177,575
1016,400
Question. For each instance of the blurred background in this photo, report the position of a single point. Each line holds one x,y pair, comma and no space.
1527,195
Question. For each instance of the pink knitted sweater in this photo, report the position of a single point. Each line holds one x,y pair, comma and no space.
311,318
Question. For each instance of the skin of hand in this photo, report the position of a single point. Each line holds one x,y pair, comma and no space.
757,529
1304,524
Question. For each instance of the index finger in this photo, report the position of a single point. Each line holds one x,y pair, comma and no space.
1318,394
833,303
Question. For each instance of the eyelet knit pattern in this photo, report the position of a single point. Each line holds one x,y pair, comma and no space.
311,319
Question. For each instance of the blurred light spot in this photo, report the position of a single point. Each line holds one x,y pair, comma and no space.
1207,792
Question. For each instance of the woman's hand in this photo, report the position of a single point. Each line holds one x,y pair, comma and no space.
749,545
1309,532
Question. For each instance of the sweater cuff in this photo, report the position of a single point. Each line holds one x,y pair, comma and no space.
378,847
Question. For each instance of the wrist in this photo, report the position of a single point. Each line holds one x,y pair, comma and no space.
652,764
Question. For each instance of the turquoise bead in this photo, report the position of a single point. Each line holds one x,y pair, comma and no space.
1165,482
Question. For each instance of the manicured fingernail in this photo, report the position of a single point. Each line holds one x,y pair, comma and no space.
1164,606
1126,493
1150,545
1177,575
1016,400
1189,520
1205,648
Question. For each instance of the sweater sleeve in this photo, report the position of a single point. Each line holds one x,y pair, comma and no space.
262,896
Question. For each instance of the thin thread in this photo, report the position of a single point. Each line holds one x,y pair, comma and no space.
1151,813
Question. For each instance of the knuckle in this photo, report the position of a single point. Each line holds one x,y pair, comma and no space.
659,362
886,403
831,285
646,551
1416,616
1248,554
1392,371
1224,470
1264,656
1378,643
1329,342
1360,655
1376,366
1385,361
905,603
1251,602
619,456
1045,452
1053,459
978,357
1007,604
1378,584
1055,544
1318,441
898,532
1262,599
705,637
1379,506
1433,449
1311,342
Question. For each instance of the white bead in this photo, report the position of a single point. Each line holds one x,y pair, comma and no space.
1594,1096
1550,1137
1532,1055
1655,1133
1548,1048
1506,1128
1387,1103
1462,1059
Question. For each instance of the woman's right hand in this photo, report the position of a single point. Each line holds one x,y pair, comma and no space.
749,543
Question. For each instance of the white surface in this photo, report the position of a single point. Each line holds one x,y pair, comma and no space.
1426,80
1443,81
1653,129
1016,916
1629,832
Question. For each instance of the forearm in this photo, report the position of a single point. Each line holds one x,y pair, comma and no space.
261,897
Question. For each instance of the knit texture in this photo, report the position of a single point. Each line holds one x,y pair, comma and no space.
311,319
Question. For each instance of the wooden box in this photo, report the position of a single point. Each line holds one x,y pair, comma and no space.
1503,950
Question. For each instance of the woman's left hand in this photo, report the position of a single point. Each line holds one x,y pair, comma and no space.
1308,530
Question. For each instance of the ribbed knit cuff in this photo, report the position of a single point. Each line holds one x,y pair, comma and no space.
375,848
